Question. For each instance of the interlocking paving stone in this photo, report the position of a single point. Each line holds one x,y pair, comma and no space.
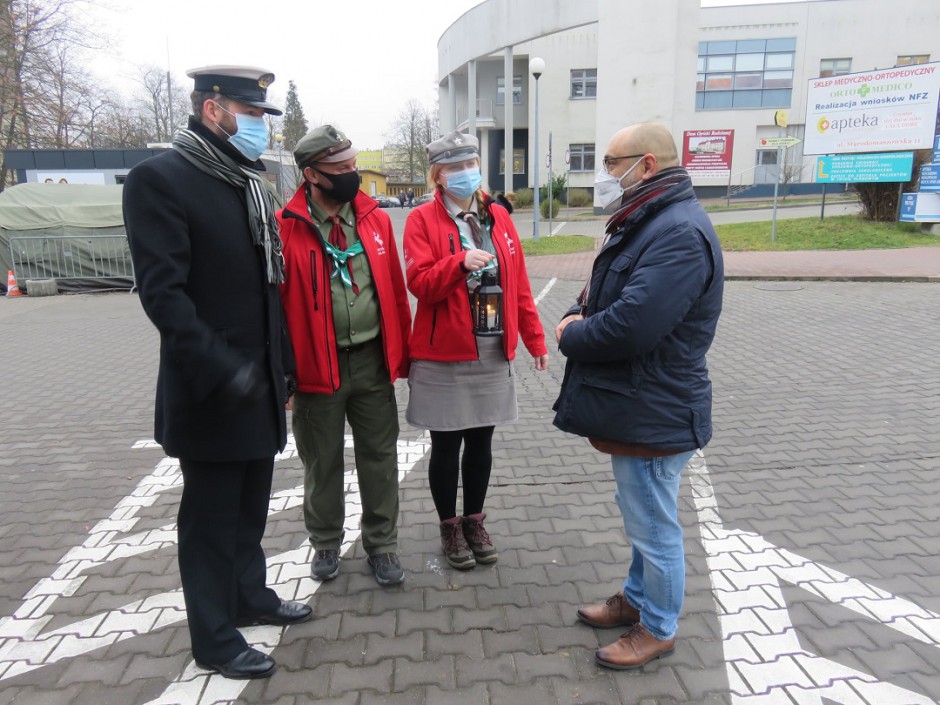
826,445
432,670
472,695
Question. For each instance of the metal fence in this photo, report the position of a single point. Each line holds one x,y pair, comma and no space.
100,259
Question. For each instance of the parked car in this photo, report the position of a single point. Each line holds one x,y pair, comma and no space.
386,201
424,198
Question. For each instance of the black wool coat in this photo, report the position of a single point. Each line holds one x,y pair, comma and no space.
203,285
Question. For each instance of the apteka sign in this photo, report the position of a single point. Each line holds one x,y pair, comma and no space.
873,111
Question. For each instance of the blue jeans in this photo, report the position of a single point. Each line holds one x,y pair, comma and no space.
648,496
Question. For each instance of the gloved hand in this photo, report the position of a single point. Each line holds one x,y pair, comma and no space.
247,386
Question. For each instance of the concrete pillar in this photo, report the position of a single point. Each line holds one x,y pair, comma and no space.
472,98
507,104
451,104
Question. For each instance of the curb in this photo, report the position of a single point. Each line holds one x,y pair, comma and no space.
914,278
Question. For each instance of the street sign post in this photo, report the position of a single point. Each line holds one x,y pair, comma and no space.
778,142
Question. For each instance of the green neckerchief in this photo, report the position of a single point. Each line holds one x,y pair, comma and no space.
340,257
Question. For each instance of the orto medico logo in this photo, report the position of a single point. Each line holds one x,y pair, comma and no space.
823,124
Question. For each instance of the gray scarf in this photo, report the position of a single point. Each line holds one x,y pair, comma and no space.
261,206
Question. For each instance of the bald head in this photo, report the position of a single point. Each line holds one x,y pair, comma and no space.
646,138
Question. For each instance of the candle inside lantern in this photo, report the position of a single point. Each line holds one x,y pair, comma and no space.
485,303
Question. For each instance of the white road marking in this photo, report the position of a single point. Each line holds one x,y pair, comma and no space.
764,660
24,646
545,289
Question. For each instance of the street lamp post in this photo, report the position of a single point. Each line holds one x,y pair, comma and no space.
279,145
536,68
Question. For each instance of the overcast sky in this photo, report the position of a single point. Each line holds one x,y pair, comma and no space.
355,62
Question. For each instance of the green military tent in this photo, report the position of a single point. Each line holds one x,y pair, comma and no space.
73,233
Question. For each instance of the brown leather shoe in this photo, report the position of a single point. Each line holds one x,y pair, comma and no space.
635,648
616,612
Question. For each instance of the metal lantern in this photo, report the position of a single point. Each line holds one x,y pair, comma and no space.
486,304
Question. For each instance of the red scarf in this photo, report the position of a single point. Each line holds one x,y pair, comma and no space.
654,187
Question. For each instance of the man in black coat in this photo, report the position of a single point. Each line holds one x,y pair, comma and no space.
207,257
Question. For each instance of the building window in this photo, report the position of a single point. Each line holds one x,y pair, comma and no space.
584,83
834,67
518,161
581,157
754,73
913,59
516,90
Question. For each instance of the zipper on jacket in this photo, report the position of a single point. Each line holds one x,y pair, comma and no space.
433,326
450,236
314,279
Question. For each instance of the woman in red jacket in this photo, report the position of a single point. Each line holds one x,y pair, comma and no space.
462,384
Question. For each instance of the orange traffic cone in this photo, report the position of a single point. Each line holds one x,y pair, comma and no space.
12,288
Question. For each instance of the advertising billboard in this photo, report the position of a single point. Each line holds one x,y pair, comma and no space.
873,111
706,154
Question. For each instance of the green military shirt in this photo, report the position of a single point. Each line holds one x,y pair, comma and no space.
355,318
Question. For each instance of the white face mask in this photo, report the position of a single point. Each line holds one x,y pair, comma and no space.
609,190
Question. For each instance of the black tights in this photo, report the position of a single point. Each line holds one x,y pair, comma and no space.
445,466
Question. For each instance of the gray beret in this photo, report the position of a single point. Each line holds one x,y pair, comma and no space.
453,147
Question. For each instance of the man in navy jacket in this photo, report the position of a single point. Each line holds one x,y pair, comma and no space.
636,383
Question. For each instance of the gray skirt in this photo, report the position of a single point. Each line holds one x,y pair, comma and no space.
452,396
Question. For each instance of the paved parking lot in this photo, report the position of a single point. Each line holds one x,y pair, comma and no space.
813,526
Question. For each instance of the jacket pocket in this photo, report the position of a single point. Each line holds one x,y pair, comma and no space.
622,262
601,402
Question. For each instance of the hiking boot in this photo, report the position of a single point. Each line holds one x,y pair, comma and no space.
325,564
616,612
456,550
635,648
386,569
478,540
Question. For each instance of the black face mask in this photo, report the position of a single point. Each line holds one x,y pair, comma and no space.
345,186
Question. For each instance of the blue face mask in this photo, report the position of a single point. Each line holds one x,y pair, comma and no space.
251,138
463,184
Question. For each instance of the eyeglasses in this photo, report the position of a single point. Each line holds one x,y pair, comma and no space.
610,160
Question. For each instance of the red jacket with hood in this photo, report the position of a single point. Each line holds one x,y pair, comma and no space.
443,329
308,303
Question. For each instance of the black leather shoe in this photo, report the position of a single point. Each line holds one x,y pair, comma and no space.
286,613
250,663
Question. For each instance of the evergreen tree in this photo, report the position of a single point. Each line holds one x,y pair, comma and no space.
295,124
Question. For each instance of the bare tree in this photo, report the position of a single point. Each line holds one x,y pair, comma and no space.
61,101
412,130
163,101
880,200
33,33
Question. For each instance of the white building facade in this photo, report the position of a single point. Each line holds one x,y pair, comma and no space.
611,63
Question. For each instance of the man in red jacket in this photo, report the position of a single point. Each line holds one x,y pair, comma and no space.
348,316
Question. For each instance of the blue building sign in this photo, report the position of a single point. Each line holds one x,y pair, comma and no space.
920,208
865,168
929,178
